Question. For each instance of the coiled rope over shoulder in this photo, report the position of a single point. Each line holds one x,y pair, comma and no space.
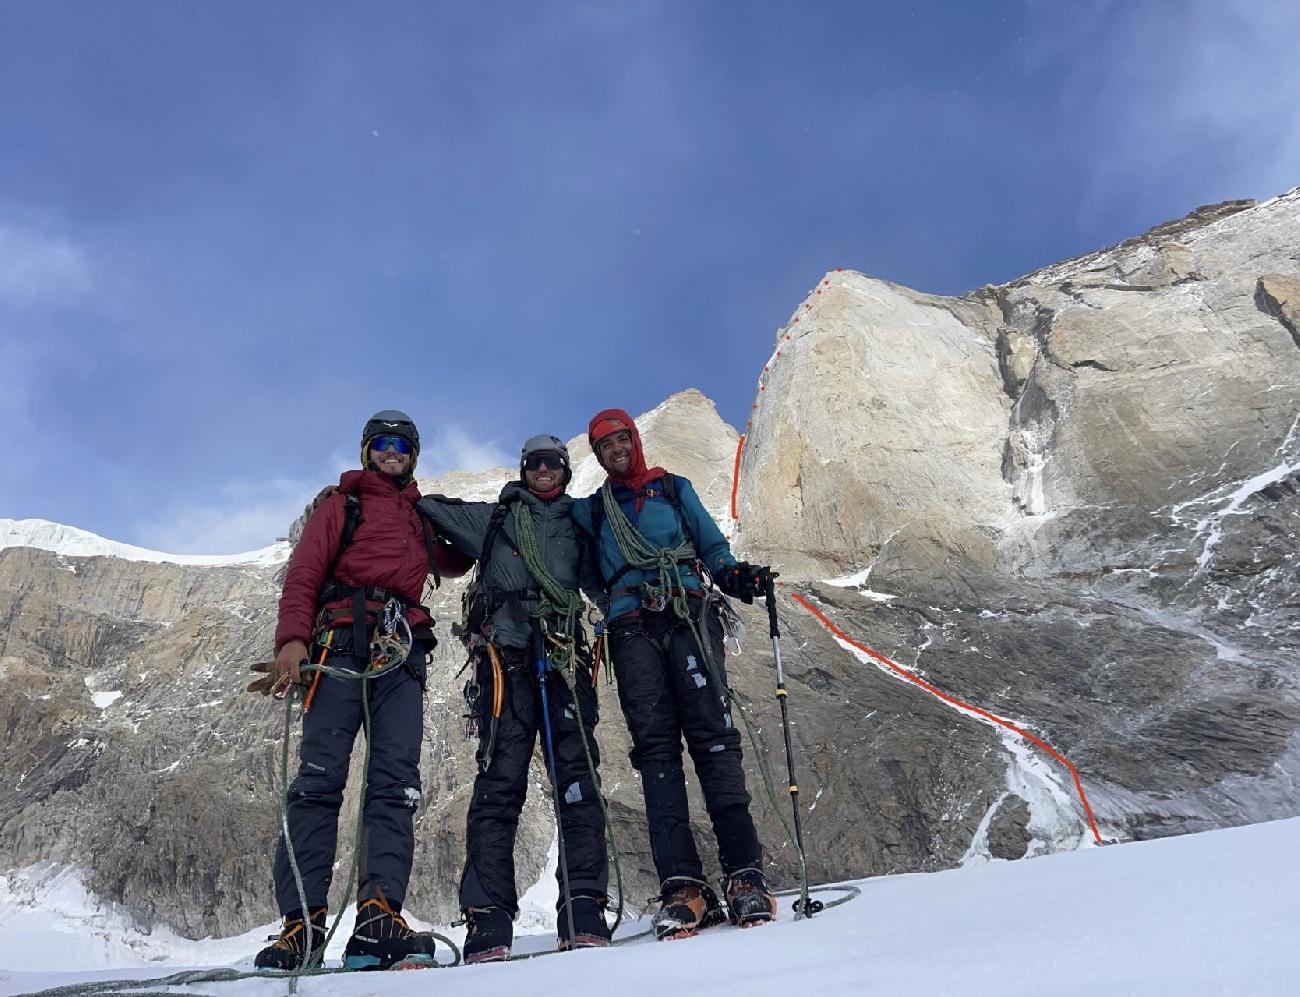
640,553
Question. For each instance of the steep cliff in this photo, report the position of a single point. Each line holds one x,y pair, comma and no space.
1079,490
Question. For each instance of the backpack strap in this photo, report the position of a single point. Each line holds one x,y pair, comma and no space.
475,603
427,530
351,520
494,530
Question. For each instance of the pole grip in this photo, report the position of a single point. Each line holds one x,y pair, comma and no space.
769,592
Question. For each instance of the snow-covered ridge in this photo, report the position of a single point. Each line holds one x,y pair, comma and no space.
72,542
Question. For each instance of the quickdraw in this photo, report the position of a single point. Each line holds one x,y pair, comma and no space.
392,641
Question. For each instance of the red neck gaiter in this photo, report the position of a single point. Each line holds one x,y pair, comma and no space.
611,420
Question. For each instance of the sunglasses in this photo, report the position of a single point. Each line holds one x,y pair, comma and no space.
544,458
398,443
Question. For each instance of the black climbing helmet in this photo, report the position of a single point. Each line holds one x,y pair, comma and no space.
390,422
546,443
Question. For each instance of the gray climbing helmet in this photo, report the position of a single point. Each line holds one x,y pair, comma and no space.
545,443
390,422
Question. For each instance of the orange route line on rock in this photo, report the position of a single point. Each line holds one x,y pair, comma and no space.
735,474
954,701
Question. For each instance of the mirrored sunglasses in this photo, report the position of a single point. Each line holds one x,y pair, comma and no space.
398,443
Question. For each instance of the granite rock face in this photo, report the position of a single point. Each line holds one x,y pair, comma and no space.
1071,500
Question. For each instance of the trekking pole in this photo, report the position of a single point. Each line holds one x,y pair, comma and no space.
543,666
803,906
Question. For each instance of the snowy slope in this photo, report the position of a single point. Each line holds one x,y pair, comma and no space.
72,542
1212,913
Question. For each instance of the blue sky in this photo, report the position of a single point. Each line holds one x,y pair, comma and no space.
229,231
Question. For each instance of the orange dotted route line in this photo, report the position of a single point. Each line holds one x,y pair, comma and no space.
954,701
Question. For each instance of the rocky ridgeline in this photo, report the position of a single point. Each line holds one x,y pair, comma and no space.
1070,500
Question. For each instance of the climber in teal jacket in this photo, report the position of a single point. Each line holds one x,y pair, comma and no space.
665,638
666,520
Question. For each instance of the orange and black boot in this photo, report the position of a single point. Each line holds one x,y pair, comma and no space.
299,941
383,940
749,901
686,906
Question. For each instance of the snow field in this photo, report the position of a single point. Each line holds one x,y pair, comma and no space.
1211,913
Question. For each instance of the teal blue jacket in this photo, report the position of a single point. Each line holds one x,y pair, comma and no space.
660,524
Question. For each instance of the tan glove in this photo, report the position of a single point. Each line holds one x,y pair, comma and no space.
279,674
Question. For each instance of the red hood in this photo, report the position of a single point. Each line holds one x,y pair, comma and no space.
611,420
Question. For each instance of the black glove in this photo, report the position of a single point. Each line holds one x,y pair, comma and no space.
745,581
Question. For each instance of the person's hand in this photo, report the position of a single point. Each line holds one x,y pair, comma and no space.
279,674
287,662
745,581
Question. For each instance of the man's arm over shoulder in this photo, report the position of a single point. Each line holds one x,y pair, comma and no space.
310,561
462,524
581,511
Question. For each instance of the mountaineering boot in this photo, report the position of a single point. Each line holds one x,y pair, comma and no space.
488,935
589,928
299,940
686,906
749,901
383,940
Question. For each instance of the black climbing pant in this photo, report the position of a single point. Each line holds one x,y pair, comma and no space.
501,787
329,729
669,693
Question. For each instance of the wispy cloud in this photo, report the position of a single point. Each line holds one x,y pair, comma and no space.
452,448
238,516
243,515
35,266
1198,89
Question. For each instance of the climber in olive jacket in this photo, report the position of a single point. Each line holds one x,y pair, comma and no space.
508,597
